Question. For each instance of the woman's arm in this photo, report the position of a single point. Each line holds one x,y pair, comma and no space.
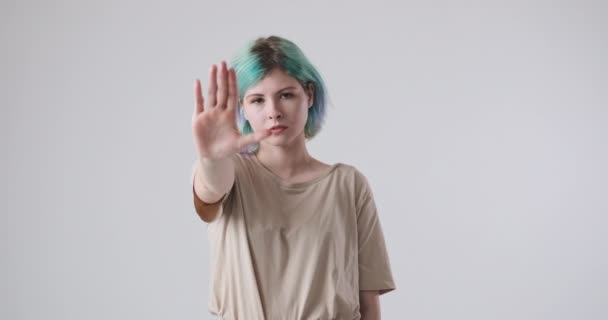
217,138
369,305
212,180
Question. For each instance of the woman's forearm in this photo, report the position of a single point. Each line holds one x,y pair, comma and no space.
213,178
369,303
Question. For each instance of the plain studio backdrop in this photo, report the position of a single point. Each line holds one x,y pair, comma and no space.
481,127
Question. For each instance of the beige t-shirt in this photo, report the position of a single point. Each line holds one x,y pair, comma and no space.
295,251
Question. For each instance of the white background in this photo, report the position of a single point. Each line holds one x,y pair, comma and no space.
481,127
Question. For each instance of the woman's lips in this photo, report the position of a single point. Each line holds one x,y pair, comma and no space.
277,129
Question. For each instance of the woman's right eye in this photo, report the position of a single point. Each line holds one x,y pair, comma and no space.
256,100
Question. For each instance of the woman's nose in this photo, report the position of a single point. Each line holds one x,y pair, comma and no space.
274,115
273,111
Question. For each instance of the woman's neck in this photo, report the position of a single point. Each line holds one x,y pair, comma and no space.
286,161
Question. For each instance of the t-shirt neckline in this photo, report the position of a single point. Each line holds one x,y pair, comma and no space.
286,184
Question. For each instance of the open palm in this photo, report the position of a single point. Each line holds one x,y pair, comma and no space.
214,128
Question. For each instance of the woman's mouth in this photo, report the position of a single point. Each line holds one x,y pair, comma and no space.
277,129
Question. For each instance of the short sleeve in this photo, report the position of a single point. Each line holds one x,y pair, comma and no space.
374,264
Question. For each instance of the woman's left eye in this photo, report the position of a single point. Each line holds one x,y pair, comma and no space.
288,95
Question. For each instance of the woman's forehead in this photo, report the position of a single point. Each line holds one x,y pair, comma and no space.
274,81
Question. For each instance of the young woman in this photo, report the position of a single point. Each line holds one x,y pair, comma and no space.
291,237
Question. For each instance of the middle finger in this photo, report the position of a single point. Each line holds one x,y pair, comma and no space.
222,90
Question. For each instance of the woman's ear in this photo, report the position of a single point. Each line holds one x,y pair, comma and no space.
241,109
311,94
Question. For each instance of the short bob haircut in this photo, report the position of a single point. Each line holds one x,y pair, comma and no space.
253,62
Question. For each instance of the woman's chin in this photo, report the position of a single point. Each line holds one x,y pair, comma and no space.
276,141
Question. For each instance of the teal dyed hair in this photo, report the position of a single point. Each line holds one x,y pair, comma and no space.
253,62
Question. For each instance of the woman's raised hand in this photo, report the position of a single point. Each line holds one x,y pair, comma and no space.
214,127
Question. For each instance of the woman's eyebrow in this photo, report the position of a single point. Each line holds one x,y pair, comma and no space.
290,87
259,94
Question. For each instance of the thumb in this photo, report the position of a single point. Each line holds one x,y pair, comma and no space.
253,138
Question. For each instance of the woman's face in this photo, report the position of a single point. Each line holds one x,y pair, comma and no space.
278,100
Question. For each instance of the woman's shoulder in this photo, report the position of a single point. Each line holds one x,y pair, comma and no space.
353,173
349,168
